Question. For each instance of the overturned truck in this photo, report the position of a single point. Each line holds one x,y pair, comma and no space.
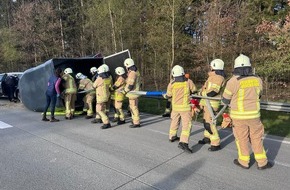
33,83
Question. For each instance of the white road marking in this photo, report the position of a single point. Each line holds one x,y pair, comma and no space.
4,125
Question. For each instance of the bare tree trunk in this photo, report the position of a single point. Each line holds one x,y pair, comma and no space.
83,29
61,29
113,29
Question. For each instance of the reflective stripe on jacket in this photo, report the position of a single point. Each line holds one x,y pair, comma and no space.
120,83
244,94
134,80
70,85
180,93
213,83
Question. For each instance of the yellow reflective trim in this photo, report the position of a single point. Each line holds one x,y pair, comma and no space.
245,112
185,133
228,92
261,156
173,132
241,157
241,97
249,83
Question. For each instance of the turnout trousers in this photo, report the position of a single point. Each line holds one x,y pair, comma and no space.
249,132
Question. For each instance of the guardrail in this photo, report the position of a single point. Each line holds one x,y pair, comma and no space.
275,106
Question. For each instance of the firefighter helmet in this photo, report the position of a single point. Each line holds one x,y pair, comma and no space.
120,71
106,67
128,62
102,69
93,70
177,71
217,64
68,71
242,61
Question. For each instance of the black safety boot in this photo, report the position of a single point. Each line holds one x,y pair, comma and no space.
120,122
44,118
184,146
135,126
214,148
174,138
205,140
89,117
268,165
166,115
96,121
106,126
115,119
52,119
236,161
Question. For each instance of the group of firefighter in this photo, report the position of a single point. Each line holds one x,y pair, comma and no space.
242,93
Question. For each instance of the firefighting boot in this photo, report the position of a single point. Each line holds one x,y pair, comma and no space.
268,165
106,126
214,148
120,122
96,121
184,146
44,118
205,140
52,119
174,138
236,162
135,126
89,116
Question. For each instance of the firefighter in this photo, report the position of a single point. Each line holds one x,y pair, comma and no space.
69,93
102,85
94,72
179,90
108,104
118,96
168,103
212,88
132,84
243,92
87,85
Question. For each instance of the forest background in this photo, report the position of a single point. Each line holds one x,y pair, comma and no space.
158,33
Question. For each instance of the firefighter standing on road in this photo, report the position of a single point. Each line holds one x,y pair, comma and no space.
70,93
132,84
179,90
87,85
118,96
102,86
212,88
242,93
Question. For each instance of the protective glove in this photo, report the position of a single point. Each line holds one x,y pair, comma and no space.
164,96
227,121
123,91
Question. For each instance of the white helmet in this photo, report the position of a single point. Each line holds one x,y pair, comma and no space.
217,64
242,61
102,69
93,70
120,71
68,71
80,76
177,71
106,67
128,62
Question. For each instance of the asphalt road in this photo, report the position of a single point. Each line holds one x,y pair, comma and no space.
75,154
